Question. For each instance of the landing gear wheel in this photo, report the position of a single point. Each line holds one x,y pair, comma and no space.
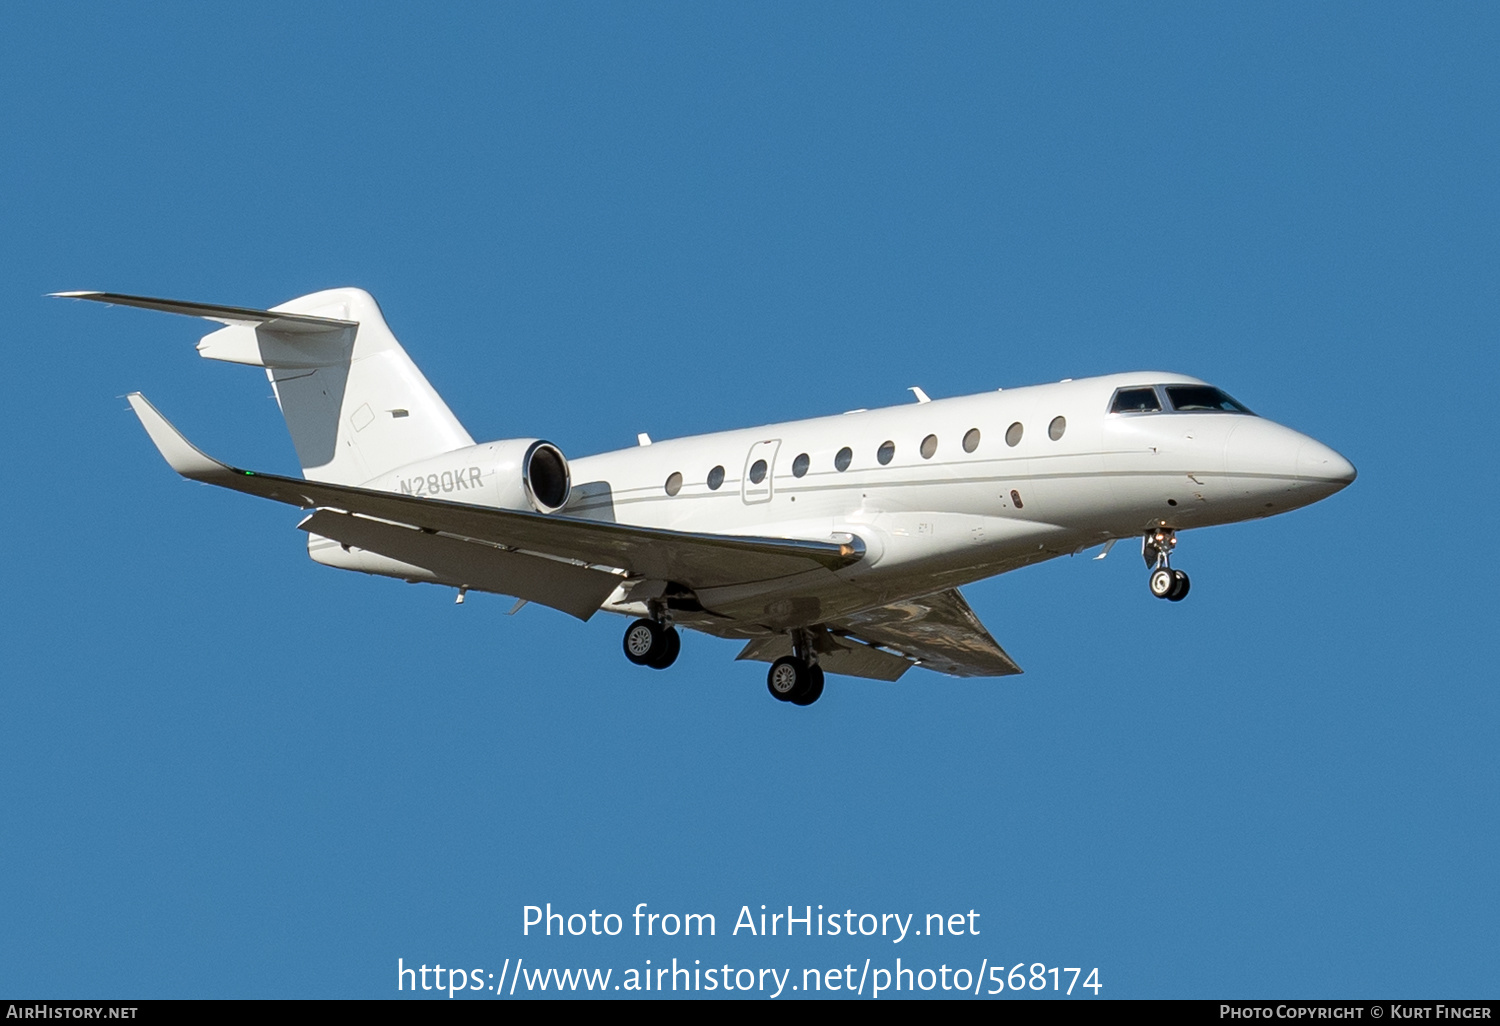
814,687
645,642
1164,581
671,645
792,680
1180,586
785,677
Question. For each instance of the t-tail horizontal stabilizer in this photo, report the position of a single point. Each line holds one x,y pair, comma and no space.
274,320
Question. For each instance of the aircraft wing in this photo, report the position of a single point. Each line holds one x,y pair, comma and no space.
695,560
937,632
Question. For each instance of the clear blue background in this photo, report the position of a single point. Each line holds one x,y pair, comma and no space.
225,770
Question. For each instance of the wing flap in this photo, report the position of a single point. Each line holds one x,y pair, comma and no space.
936,632
939,631
576,590
695,560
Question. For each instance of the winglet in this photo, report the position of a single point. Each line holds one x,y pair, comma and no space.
181,455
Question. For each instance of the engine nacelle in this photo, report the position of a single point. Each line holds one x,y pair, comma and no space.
514,473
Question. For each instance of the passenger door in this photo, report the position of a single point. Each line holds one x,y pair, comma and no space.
760,466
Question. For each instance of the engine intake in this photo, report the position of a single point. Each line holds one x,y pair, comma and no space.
544,473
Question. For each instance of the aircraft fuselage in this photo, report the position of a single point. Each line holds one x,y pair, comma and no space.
946,492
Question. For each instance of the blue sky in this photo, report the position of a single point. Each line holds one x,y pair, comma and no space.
226,771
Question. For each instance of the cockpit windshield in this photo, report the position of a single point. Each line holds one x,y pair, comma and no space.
1136,400
1202,399
1178,399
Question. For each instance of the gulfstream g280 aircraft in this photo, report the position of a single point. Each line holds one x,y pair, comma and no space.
837,543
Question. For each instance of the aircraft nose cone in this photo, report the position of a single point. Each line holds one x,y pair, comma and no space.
1318,463
1263,449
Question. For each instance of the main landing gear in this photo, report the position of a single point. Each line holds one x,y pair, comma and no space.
651,643
1156,549
796,678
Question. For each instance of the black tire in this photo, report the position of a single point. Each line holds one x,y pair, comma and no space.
1162,582
814,689
671,645
644,642
1180,586
787,678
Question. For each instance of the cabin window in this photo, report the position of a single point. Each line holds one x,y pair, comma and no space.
757,471
800,465
971,440
715,478
1057,427
886,452
929,447
1136,400
1013,434
843,459
674,483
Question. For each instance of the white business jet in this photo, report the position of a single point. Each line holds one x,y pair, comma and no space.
837,543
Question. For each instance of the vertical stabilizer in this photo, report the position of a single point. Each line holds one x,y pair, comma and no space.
369,412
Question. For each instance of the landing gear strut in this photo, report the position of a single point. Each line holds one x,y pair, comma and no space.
796,678
652,643
1156,549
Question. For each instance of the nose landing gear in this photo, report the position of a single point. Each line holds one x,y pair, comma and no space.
1156,550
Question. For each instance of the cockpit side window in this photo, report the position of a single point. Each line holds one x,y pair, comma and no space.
1202,399
1136,400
